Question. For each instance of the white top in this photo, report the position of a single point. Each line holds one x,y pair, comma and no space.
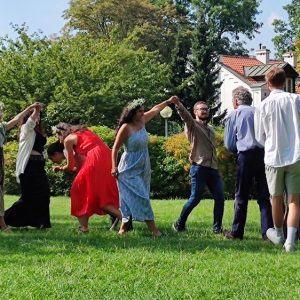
277,127
27,138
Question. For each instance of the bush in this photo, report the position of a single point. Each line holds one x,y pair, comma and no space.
169,163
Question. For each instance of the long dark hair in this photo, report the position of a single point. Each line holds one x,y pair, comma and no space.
127,116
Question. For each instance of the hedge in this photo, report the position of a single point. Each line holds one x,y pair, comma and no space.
169,162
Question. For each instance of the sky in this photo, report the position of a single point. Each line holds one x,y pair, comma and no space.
46,15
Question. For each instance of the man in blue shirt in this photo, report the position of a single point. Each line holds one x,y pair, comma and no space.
239,138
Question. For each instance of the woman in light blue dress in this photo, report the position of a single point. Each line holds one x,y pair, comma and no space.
134,170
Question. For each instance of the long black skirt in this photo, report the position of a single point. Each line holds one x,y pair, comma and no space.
32,209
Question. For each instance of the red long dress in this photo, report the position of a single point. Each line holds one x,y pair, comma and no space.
93,187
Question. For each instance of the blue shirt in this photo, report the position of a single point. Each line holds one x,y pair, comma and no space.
239,128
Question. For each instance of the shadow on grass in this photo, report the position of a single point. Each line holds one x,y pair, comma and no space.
63,239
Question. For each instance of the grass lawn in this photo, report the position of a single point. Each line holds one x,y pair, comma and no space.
61,264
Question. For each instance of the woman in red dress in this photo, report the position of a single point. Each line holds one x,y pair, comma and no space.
94,190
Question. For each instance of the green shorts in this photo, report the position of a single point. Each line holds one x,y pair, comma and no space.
284,179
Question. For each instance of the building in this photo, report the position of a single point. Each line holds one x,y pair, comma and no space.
250,72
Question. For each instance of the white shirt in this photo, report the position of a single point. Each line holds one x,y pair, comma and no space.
27,138
277,127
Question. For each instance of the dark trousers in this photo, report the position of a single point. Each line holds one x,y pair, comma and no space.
250,166
201,177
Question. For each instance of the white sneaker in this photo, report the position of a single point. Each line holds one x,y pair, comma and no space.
273,237
289,247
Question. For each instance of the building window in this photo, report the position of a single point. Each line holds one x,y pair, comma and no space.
289,85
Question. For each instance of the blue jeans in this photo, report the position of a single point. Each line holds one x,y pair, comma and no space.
201,177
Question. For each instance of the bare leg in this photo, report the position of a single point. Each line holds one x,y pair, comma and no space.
277,210
152,227
84,223
3,226
112,211
294,211
125,227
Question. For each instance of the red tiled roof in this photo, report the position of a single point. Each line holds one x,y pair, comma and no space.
237,64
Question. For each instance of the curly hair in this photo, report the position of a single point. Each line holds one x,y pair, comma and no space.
242,95
127,115
64,129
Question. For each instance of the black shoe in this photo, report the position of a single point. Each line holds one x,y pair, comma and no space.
230,236
177,227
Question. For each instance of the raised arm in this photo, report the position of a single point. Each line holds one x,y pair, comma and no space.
157,108
184,114
35,108
121,137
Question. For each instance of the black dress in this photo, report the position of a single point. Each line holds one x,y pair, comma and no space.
32,209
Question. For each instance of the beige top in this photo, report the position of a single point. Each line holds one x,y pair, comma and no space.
202,139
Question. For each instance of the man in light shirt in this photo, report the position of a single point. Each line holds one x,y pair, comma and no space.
239,136
277,127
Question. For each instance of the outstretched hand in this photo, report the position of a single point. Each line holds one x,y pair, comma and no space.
174,99
37,105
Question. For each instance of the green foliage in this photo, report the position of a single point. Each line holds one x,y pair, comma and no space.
80,79
149,25
287,32
10,182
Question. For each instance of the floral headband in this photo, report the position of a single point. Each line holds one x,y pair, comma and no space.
135,103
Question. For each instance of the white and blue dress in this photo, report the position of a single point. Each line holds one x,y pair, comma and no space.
134,178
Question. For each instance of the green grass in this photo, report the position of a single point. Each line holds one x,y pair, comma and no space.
61,264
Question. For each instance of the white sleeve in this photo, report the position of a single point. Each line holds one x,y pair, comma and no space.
27,127
259,130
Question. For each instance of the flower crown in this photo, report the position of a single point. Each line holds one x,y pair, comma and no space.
135,103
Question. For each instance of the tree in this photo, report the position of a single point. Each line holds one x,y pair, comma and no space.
287,32
152,26
217,30
80,79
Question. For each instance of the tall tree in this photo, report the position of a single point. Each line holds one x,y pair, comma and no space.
217,30
149,25
287,32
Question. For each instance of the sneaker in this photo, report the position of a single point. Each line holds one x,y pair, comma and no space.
273,237
230,236
177,227
289,247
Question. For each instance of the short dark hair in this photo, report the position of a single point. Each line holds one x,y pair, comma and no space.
276,77
55,147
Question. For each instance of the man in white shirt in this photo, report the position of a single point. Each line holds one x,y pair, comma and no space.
277,127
